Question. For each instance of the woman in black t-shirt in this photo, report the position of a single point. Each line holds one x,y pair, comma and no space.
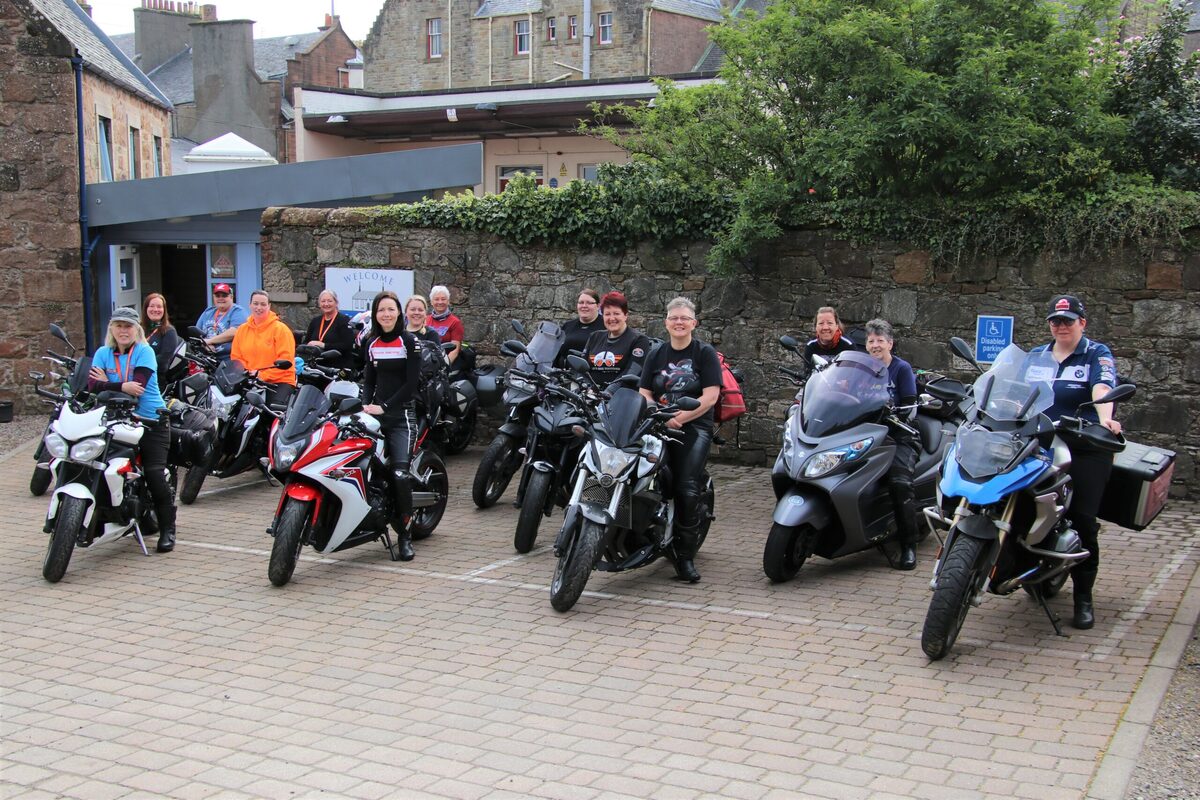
579,330
391,375
330,330
685,367
618,349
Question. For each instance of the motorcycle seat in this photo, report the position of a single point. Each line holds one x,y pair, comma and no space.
931,433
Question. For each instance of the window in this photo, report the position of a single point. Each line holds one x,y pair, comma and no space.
551,29
587,172
104,144
506,174
433,37
572,28
605,25
521,37
158,157
135,153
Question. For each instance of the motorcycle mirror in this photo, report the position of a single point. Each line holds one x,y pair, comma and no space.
329,355
1122,392
930,402
789,343
255,399
687,404
195,332
38,376
511,348
963,351
58,333
283,363
578,363
350,405
518,327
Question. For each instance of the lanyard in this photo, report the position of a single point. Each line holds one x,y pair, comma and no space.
121,372
217,319
324,329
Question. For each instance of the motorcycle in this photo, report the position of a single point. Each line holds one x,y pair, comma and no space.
337,493
1006,475
830,478
101,494
241,428
73,381
620,516
551,449
503,458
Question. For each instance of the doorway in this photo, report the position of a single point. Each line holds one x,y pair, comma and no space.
185,282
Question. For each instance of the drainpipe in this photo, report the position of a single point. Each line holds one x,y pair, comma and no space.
532,39
587,39
85,247
490,81
649,15
449,46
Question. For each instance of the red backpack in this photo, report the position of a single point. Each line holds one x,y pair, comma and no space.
731,403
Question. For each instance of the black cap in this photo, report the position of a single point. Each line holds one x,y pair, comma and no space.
1066,305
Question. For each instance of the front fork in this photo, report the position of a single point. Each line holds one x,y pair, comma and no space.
1004,529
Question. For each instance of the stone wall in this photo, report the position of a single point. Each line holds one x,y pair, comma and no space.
39,231
1145,306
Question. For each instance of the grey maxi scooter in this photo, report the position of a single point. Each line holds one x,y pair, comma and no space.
830,478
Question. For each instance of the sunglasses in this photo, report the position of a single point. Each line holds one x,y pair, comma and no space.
1061,322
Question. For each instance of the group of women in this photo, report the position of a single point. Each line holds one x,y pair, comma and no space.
137,351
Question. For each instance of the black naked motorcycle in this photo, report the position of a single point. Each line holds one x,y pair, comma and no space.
830,478
551,449
620,515
503,457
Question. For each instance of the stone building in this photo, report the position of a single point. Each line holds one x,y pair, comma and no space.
222,80
125,134
430,44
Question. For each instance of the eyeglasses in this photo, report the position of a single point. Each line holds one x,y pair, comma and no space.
1061,322
587,303
681,319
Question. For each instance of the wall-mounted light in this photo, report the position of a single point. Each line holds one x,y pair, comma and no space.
452,114
336,119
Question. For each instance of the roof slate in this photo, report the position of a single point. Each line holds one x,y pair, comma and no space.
508,8
714,56
100,53
704,9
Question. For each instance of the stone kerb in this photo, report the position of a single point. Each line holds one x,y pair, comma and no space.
1145,306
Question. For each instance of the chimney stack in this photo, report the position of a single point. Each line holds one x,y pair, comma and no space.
208,13
87,9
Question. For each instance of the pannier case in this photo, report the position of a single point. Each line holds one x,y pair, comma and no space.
1137,489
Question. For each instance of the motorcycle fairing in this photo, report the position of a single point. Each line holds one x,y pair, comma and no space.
799,507
955,484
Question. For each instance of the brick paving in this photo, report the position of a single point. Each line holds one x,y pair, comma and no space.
188,675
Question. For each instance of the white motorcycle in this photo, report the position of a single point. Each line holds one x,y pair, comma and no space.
100,493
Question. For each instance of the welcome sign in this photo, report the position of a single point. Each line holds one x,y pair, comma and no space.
357,287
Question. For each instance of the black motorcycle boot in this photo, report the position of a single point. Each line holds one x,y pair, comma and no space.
166,528
402,520
906,560
685,552
1085,614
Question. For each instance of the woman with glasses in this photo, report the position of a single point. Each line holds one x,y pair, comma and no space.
1086,372
684,366
588,321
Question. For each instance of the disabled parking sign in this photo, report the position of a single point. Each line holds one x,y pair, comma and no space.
992,334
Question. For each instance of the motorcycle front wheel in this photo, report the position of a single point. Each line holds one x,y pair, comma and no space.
41,480
426,518
961,576
786,551
494,471
192,482
575,565
289,538
62,540
532,508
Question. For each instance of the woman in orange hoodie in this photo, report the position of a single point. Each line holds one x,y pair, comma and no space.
260,342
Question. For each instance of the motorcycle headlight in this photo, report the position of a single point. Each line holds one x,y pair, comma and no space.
287,453
224,406
56,445
613,461
828,460
520,385
88,450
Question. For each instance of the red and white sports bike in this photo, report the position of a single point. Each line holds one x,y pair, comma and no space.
329,455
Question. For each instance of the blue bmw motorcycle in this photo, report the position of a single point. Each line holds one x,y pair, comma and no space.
1004,493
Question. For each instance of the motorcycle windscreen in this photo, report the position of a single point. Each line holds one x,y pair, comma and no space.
309,406
621,415
851,390
229,376
79,378
1018,386
542,349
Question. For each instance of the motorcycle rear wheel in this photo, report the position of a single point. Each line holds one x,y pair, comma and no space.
532,508
62,540
493,474
575,565
786,551
961,576
424,520
462,432
192,483
289,538
41,480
